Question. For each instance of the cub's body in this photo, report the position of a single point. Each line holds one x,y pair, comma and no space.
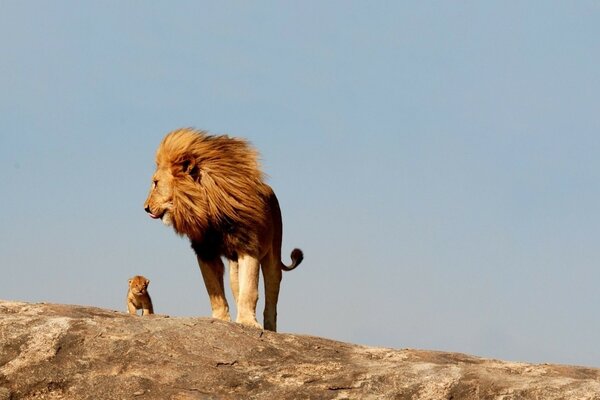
138,297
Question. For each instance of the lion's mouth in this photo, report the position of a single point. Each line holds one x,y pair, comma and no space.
164,216
153,215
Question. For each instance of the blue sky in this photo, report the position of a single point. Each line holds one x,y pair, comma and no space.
436,161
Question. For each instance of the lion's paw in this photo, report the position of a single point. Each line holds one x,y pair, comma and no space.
251,322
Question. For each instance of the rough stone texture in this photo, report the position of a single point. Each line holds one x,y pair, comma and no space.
51,351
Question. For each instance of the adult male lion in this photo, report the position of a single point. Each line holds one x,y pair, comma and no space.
211,189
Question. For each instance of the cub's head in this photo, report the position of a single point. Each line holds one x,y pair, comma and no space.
138,285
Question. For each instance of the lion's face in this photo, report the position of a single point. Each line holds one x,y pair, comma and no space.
159,203
138,285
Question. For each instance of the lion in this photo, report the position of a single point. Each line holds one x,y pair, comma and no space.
211,189
138,296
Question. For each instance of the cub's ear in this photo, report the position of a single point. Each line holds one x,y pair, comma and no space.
190,167
129,281
147,282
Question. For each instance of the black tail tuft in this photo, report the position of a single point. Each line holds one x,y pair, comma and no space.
297,257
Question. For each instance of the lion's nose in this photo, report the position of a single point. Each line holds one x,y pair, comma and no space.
147,208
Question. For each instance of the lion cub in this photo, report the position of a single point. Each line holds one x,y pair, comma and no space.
138,297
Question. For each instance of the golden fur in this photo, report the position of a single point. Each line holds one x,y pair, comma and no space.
211,189
138,296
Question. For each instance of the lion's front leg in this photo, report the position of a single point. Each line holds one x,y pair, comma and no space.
234,279
248,270
212,273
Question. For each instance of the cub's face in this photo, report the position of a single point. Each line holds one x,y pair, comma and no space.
160,199
138,285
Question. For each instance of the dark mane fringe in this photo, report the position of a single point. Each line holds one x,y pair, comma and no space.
217,184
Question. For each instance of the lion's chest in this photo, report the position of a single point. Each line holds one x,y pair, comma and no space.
229,242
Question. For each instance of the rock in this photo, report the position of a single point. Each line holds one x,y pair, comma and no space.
51,351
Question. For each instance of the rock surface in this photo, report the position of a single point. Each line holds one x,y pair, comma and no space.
51,351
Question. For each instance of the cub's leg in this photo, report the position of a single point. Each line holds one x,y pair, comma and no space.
212,273
248,291
234,279
272,277
147,308
131,308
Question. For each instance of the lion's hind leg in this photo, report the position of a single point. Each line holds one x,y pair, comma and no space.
272,277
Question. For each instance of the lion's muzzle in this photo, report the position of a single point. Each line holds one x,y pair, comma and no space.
147,209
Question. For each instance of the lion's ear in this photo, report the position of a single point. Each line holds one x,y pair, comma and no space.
147,282
191,168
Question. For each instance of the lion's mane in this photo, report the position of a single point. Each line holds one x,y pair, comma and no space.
219,194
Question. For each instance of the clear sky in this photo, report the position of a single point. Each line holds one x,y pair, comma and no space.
438,162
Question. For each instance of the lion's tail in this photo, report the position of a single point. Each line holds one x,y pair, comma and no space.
297,257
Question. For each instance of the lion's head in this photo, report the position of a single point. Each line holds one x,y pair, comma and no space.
203,181
160,199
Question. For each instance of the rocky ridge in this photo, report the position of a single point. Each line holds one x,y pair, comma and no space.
53,351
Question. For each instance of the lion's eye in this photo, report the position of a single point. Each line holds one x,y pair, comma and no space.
154,184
